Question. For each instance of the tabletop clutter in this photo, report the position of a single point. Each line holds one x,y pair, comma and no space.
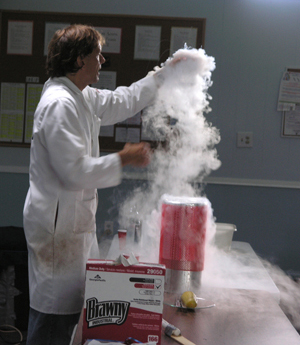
124,298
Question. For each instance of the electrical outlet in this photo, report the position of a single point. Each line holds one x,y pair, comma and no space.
108,227
244,139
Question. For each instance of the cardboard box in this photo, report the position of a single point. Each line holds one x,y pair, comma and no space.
123,302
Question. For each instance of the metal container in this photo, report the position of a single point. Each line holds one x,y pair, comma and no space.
182,241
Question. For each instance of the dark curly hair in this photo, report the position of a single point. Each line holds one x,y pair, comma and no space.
67,45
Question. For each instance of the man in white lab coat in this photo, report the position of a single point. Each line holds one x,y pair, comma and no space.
65,172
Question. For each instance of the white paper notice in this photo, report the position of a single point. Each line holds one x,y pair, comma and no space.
107,80
182,36
121,134
112,39
289,93
33,97
291,123
133,135
147,42
19,37
107,131
50,29
124,134
12,112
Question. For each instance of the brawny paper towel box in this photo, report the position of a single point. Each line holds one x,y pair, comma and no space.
123,302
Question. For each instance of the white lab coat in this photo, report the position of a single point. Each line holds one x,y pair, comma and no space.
65,172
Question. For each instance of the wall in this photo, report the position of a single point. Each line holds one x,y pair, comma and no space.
253,41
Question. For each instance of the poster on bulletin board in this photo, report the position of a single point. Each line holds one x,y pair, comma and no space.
289,103
291,123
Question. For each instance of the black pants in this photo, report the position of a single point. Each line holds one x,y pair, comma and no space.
50,329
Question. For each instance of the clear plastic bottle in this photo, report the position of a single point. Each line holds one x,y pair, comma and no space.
134,232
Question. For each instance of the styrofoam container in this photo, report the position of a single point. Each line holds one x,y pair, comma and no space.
224,235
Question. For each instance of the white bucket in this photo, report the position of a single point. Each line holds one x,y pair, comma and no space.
223,236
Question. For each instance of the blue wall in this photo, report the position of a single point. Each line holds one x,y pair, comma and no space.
253,41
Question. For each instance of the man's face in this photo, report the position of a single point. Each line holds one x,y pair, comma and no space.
92,65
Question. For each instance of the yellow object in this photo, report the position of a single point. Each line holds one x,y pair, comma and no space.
189,300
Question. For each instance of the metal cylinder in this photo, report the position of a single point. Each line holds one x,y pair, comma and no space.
177,281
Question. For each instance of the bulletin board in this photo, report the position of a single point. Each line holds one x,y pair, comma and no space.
23,38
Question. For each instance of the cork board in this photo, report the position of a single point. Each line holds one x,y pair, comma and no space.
28,68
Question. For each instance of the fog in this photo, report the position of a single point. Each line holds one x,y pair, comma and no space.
179,121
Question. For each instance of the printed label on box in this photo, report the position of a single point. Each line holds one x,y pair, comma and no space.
123,302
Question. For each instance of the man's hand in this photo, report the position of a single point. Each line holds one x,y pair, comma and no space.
136,154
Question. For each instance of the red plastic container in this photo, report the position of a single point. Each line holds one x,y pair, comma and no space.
183,232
